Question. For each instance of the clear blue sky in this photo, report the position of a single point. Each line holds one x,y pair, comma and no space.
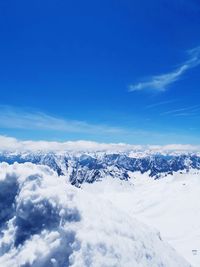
109,71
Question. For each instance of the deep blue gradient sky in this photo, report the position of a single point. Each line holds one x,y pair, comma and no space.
66,69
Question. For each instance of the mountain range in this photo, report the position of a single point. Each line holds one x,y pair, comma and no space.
94,166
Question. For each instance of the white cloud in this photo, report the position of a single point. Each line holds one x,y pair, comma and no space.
13,144
161,82
176,148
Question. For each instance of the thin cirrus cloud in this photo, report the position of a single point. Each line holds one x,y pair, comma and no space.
161,103
185,111
28,119
15,118
161,82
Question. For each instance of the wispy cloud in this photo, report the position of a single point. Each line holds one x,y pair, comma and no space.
161,82
15,118
185,111
161,103
31,120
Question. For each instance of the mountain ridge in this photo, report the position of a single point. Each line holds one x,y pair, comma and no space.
93,166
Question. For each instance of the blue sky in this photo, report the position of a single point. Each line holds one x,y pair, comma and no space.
107,71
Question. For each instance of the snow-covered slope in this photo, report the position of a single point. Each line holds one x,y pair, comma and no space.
44,221
171,205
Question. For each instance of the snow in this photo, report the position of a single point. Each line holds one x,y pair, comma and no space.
171,205
45,221
90,167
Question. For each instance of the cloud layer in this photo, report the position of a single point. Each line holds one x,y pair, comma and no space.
13,144
161,82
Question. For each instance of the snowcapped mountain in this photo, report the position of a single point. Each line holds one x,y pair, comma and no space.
95,166
45,221
99,224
